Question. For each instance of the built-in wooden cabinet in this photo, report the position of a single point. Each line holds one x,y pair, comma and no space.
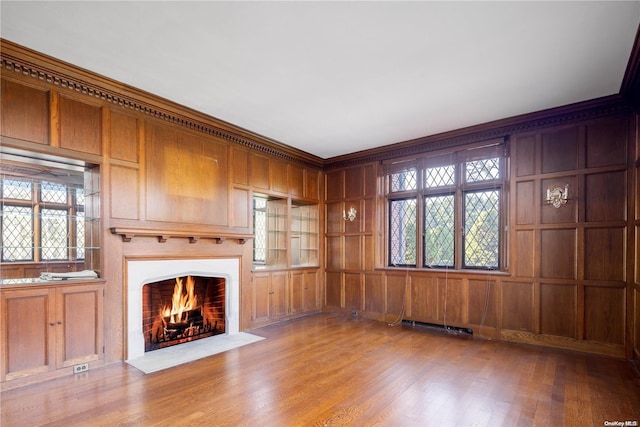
45,329
269,297
284,294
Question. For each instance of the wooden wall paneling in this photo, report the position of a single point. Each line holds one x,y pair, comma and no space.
124,192
333,287
352,253
353,183
124,137
369,253
558,253
259,171
367,215
334,187
483,302
606,196
559,149
312,179
370,180
636,321
296,180
239,166
604,256
356,225
559,315
525,255
604,314
525,155
374,293
241,208
566,213
606,142
453,300
397,296
278,173
334,259
353,297
526,200
334,217
517,306
423,300
24,112
186,177
80,125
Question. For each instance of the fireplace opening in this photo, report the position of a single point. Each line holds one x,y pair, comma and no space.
182,309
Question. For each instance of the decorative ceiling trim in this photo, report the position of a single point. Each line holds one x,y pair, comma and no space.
205,124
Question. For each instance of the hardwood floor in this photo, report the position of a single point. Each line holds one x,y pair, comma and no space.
327,370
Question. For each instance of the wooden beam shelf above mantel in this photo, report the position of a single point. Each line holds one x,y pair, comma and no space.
163,235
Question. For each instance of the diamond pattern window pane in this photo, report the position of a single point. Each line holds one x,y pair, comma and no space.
482,229
404,181
16,189
402,245
17,233
53,193
442,176
439,230
80,235
482,170
54,234
259,229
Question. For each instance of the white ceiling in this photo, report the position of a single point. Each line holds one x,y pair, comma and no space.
335,77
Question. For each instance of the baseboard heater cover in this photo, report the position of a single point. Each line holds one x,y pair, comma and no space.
447,328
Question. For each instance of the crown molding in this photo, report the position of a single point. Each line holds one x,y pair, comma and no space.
19,59
587,110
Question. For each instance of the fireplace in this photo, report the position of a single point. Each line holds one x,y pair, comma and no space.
151,284
183,309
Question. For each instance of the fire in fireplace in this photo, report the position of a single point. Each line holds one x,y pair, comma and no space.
182,309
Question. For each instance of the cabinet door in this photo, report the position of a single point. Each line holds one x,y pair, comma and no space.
297,284
79,319
28,330
311,299
279,294
261,297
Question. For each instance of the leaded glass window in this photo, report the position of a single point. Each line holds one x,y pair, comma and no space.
402,231
460,209
259,229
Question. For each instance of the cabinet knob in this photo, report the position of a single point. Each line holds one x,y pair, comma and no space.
59,322
52,324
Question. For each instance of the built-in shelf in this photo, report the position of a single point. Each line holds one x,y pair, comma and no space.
163,235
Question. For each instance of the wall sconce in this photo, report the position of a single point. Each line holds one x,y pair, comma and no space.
350,215
558,196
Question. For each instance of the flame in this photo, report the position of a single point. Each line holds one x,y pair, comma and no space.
181,302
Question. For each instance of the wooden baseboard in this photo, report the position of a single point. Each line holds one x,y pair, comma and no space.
565,343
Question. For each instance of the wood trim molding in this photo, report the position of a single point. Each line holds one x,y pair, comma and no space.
35,65
127,234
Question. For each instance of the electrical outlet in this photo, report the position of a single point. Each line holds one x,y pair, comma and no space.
80,368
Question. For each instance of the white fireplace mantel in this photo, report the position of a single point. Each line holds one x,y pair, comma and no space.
139,272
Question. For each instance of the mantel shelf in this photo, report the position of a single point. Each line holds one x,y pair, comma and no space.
163,235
